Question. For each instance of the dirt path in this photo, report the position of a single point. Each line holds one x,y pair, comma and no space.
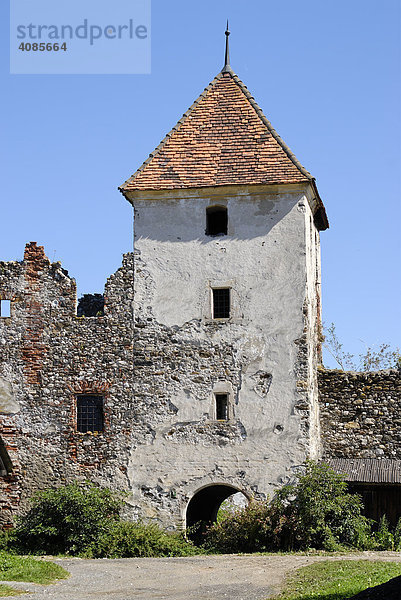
228,577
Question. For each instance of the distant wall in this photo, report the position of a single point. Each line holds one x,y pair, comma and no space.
360,414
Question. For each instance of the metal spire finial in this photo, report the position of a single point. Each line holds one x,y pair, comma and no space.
227,55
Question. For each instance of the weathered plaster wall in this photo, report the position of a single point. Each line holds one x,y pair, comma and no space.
313,330
48,355
360,414
263,352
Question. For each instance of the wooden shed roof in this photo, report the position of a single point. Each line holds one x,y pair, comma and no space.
367,470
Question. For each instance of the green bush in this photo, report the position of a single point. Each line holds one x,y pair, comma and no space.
7,540
126,539
84,520
397,536
246,530
384,538
67,520
320,512
317,511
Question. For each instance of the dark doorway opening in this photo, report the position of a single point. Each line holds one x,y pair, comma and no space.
203,508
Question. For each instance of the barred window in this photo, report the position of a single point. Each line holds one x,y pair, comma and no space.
221,303
89,413
221,407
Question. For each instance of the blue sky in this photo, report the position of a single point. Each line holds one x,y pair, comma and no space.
326,74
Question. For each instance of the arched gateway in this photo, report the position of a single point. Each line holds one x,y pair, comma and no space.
204,505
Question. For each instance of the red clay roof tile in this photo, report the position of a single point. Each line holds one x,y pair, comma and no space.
223,139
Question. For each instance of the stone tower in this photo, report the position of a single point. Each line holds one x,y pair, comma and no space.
226,309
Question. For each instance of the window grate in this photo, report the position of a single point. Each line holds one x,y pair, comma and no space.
89,413
221,303
222,407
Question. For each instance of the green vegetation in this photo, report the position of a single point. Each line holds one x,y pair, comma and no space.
128,539
84,520
337,580
27,568
67,520
315,512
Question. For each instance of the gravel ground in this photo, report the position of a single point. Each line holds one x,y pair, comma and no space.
227,577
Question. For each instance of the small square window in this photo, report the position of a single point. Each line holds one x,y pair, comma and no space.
221,407
5,308
221,303
216,220
89,413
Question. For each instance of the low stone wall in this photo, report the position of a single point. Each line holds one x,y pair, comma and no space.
360,414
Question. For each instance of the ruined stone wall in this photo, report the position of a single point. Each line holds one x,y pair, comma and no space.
360,414
48,356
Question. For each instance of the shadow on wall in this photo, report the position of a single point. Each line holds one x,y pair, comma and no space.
177,221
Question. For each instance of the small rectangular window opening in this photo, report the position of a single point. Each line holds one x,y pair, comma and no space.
222,407
89,413
216,220
5,308
221,303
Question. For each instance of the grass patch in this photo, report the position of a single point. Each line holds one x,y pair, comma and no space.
337,580
27,568
6,590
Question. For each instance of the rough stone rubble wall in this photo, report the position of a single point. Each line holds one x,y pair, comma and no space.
360,414
175,438
48,356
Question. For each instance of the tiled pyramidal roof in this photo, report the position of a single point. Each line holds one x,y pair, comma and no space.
223,139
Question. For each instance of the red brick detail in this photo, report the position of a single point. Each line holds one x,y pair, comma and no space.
93,387
36,260
34,349
221,140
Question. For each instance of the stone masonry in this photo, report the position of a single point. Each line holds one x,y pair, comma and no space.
360,414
